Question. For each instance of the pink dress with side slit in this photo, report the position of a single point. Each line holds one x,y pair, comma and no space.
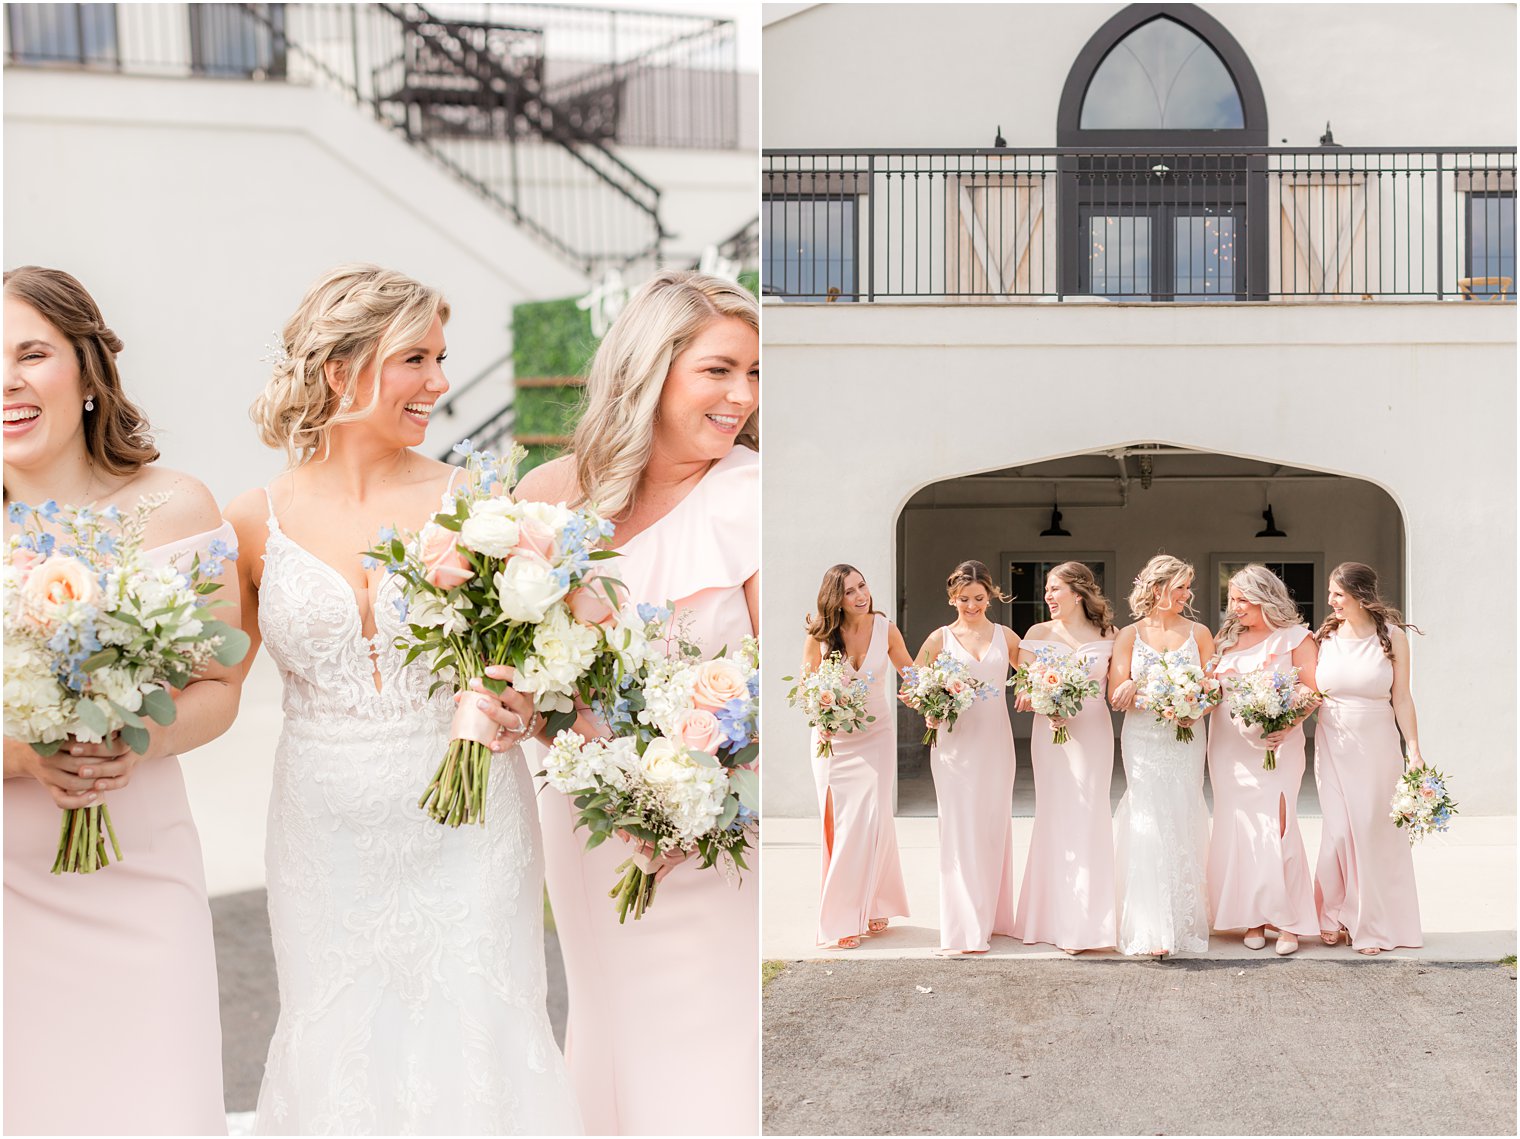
1067,899
862,872
663,1036
112,1024
973,783
1258,868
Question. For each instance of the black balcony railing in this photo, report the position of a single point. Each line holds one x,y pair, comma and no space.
1187,225
522,102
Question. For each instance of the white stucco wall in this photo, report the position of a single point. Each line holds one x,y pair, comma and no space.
197,212
946,75
865,404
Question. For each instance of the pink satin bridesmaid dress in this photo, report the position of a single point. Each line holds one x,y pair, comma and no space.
862,872
112,1023
1067,899
1364,879
973,783
1258,868
683,981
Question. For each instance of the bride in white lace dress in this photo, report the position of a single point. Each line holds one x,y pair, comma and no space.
410,956
1161,827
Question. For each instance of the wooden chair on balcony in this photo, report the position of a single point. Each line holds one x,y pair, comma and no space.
1468,284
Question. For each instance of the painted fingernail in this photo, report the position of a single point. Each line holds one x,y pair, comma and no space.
86,772
91,797
483,703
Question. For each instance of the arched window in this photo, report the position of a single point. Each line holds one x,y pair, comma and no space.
1148,217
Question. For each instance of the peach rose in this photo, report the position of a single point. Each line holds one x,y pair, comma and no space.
534,536
24,561
56,582
588,603
699,730
1427,792
956,687
826,698
444,562
717,682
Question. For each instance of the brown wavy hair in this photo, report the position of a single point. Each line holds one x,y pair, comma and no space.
117,436
1361,582
825,626
1080,579
972,573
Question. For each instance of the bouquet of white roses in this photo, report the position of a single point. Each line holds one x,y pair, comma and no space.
492,581
941,690
678,771
1177,689
1057,683
96,638
832,700
1271,701
1421,803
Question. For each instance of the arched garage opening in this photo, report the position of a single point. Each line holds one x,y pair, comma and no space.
1118,507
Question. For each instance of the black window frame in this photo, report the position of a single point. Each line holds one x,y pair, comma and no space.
851,232
17,51
1469,197
1145,182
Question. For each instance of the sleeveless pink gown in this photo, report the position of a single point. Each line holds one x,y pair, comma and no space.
112,1024
1258,875
973,782
681,986
862,873
1365,876
1067,899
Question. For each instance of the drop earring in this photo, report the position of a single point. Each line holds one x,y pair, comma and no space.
89,404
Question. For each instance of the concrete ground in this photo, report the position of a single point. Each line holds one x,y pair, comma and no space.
1466,882
1092,1046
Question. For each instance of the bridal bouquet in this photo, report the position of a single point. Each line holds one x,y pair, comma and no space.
1057,683
95,640
495,581
832,701
1271,701
941,690
1421,803
678,771
1177,689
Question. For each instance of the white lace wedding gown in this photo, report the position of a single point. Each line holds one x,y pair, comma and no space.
1161,829
410,955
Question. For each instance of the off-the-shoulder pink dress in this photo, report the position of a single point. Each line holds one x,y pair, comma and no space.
862,872
111,1018
1364,879
1067,899
973,783
664,1026
1258,869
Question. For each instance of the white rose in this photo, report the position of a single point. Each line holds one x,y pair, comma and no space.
549,514
527,586
488,530
664,763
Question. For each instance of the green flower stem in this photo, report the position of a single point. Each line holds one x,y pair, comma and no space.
1270,763
1062,736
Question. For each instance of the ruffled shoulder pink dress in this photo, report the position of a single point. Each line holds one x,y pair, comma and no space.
862,872
973,767
112,1024
1258,869
1067,899
684,979
1364,879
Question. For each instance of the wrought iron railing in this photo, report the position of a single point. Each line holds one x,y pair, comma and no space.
1194,225
519,101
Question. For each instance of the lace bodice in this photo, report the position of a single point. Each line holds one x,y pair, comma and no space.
309,619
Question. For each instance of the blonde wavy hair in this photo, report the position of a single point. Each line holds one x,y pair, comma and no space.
615,436
1165,572
357,315
1260,586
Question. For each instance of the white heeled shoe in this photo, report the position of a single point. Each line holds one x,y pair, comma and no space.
1255,941
1286,943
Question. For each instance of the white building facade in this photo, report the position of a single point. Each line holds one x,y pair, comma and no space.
1093,281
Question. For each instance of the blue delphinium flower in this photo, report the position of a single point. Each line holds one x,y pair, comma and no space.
648,613
17,512
49,510
105,544
734,719
401,607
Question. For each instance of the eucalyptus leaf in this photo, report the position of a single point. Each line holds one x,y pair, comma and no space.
92,717
137,738
158,705
746,784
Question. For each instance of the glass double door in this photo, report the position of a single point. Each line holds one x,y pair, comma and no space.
1161,251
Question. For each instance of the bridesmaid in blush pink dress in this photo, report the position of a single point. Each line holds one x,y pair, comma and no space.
862,873
1258,869
679,988
111,1012
1067,899
1364,881
973,765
